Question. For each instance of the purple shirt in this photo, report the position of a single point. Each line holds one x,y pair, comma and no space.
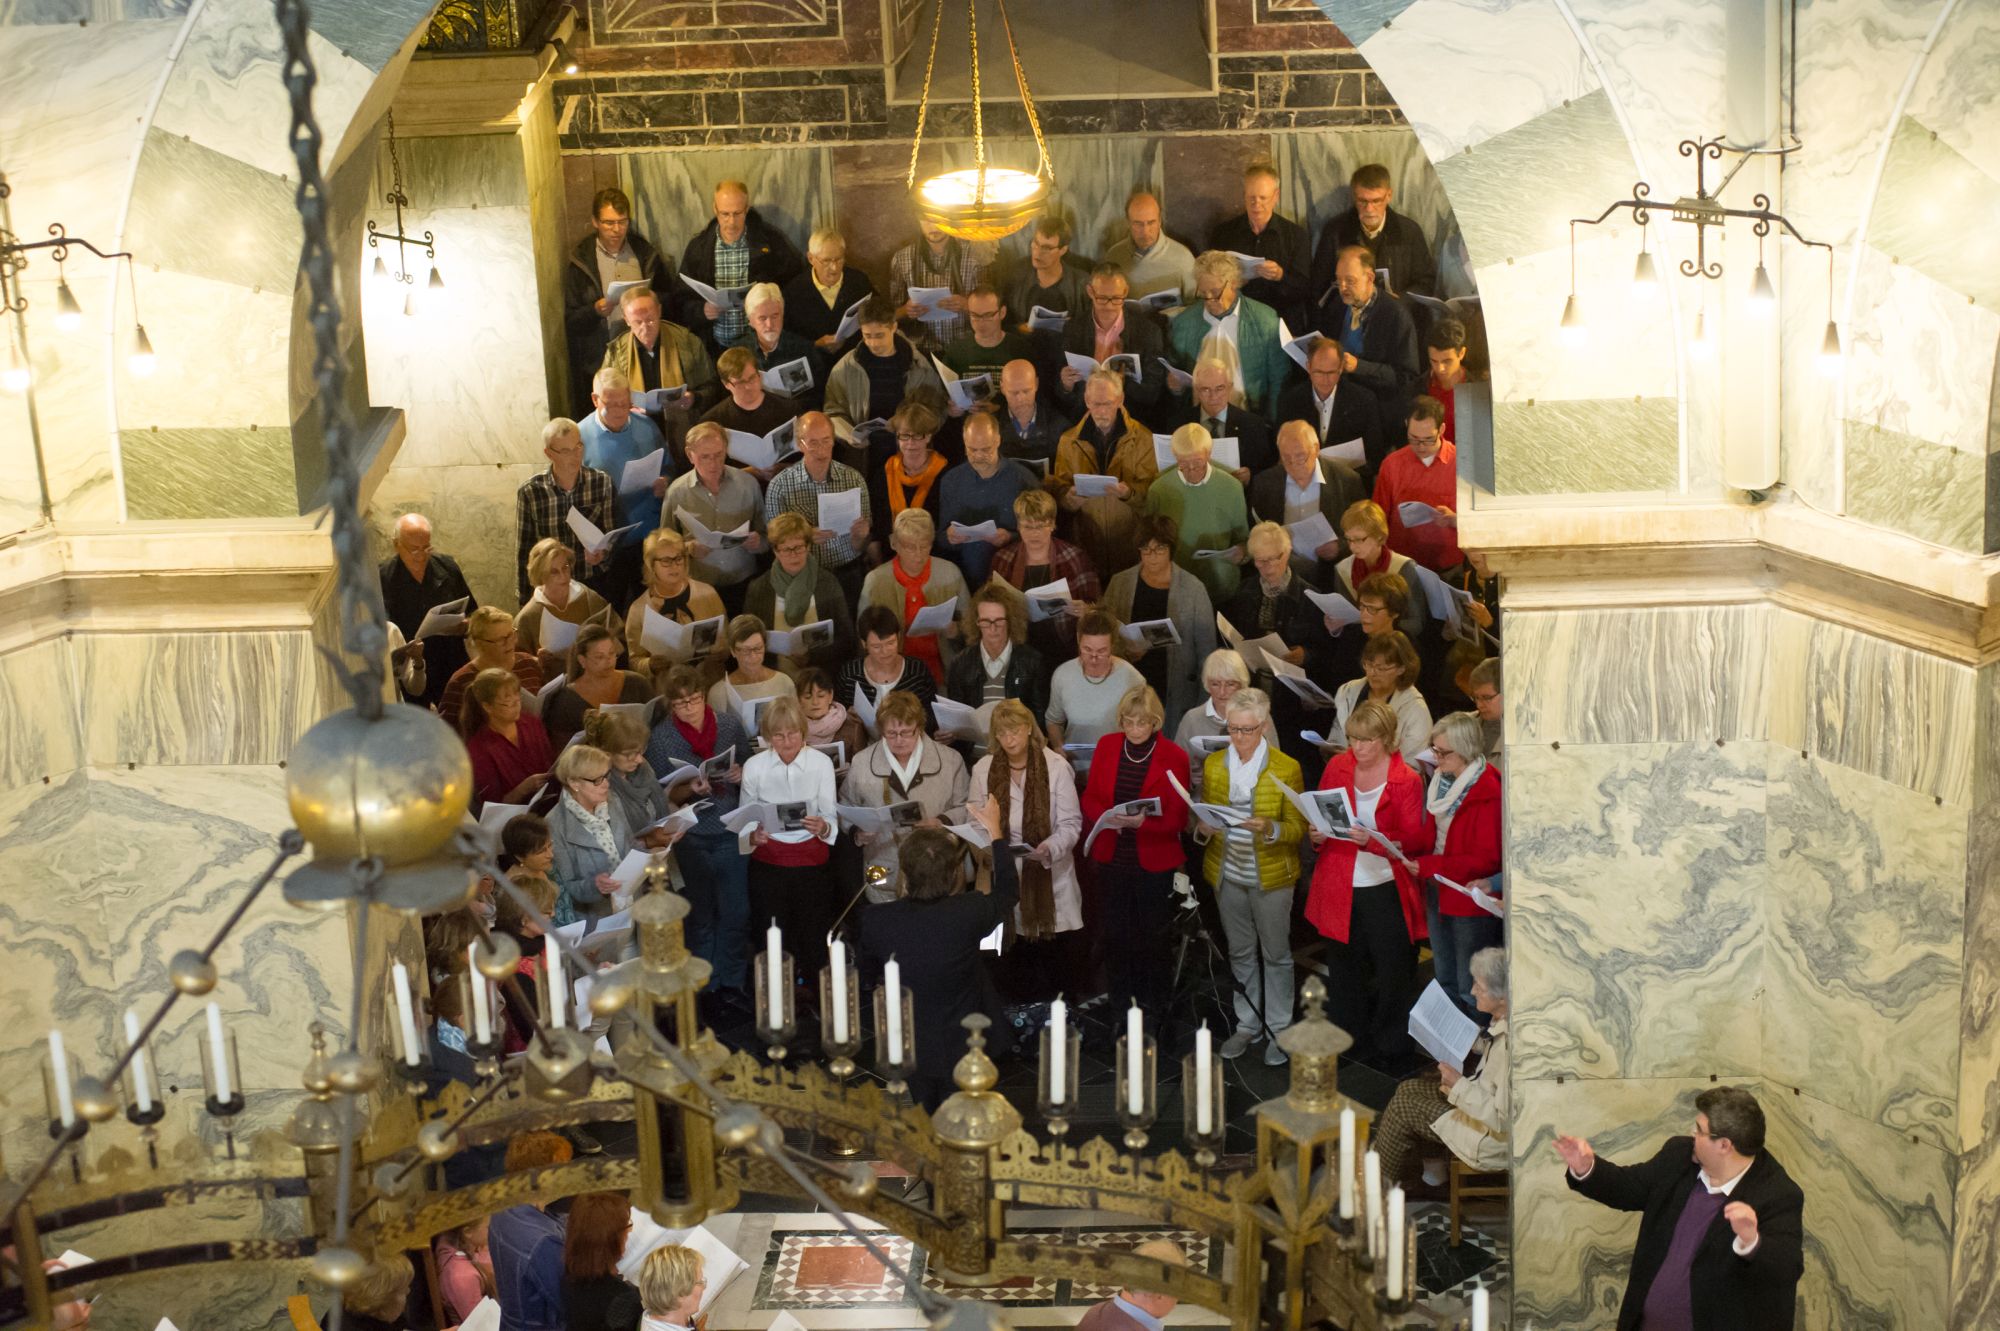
1670,1298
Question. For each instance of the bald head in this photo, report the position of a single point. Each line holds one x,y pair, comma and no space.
1298,450
413,543
1167,1253
1020,385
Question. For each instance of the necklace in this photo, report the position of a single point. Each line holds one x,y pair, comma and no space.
1143,754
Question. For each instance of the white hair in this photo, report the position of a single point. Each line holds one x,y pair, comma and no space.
761,294
609,379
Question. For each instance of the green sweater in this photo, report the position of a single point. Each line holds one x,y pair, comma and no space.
1212,516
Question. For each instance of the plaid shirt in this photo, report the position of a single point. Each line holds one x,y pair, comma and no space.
732,269
541,509
964,266
793,490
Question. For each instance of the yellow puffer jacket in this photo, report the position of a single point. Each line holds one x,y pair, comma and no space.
1277,861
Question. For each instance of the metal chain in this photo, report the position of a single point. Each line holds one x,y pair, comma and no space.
924,101
363,634
1043,166
978,125
395,167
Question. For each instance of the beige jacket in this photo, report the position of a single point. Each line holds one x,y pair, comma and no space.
1481,1109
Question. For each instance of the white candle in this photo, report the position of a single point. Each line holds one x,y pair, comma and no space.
1204,1100
1480,1313
837,990
556,981
1058,1053
1135,1061
59,1070
406,1015
218,1054
774,976
482,1009
1395,1242
892,1009
1371,1174
1347,1164
142,1080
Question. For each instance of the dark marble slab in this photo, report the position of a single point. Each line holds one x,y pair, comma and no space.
209,472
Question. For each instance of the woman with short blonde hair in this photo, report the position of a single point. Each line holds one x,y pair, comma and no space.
789,881
1388,675
590,832
1203,730
913,580
671,1285
558,593
797,590
672,593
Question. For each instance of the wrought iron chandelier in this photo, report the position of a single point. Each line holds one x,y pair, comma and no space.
1703,209
399,201
980,202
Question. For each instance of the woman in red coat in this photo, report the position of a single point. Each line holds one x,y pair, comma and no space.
1136,855
1364,899
1462,838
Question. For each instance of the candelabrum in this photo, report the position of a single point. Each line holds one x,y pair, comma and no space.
1061,1069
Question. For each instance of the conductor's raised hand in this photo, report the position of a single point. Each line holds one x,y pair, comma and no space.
1576,1154
1742,1218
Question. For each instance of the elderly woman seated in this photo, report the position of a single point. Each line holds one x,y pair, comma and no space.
1465,1112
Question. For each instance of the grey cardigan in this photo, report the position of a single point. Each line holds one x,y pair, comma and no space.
579,859
1194,619
940,788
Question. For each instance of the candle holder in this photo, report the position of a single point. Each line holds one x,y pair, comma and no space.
1056,1112
417,1073
67,1074
840,1033
895,1070
1137,1121
128,1089
1407,1300
235,1104
775,1035
1207,1145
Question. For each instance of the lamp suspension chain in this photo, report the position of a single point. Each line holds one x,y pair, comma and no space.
924,100
1043,167
978,121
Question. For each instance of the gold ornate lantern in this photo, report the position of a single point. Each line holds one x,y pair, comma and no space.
980,202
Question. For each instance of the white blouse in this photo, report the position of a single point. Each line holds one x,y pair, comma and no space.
808,777
1369,868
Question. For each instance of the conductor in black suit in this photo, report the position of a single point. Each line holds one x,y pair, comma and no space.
932,933
1720,1245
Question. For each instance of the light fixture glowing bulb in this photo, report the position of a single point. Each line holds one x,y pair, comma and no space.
410,305
436,283
1831,358
1701,346
1645,277
381,270
16,377
564,60
1763,296
1572,330
69,314
142,361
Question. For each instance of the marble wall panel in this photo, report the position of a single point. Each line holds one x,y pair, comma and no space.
1877,1212
370,31
1927,185
72,400
187,316
1865,912
173,219
1573,1277
1578,143
1638,676
209,472
1658,60
1586,446
472,519
1914,486
1520,54
20,483
195,698
1636,881
1954,93
1630,347
41,722
226,89
1892,712
1786,672
1975,1267
1359,20
1920,353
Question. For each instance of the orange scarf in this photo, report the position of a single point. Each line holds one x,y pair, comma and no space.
923,480
925,648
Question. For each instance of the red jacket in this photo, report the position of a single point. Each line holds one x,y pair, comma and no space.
1403,478
1399,816
1471,845
1160,835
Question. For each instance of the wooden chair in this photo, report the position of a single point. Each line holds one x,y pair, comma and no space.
1479,1184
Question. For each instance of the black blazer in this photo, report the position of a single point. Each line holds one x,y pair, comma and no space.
601,1303
1401,248
1027,678
1339,486
1256,442
1284,241
807,315
1730,1293
1145,337
936,945
1355,416
772,259
1389,365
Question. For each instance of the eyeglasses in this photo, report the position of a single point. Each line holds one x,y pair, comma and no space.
593,780
902,438
1096,299
1439,750
1376,609
983,314
791,548
691,700
1246,730
987,622
670,559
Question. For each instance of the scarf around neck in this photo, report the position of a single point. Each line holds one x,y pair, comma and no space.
597,824
901,480
795,590
1038,897
1447,793
827,729
700,738
1244,772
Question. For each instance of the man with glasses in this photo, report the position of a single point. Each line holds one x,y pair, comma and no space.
415,579
542,506
1336,413
1721,1240
721,498
1049,279
1489,702
1230,327
749,407
612,254
1117,326
1210,407
990,344
797,489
